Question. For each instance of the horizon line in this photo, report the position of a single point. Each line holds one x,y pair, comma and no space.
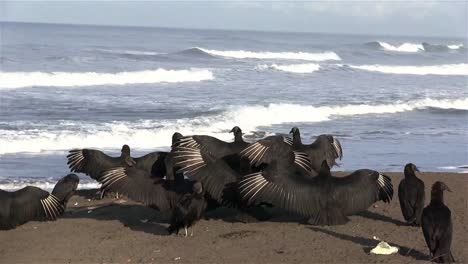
228,29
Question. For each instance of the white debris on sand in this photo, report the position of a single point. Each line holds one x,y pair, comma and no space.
383,248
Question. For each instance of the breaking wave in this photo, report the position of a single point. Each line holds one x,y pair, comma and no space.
243,54
43,184
151,134
405,47
445,69
68,79
414,47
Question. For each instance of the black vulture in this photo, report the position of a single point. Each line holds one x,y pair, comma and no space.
218,149
411,195
216,176
219,180
189,210
325,147
31,203
273,148
171,168
141,186
93,162
437,225
324,199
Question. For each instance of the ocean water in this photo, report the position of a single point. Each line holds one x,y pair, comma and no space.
390,100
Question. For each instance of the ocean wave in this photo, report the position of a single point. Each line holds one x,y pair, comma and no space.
455,46
194,52
67,79
405,47
414,47
242,54
150,134
129,52
47,185
293,68
444,69
458,169
442,48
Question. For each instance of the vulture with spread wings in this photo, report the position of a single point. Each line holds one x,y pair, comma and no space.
139,185
31,203
218,149
324,199
308,157
93,162
325,147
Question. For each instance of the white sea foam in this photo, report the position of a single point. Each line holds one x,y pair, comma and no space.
455,46
68,79
293,68
444,69
243,54
46,185
457,169
143,134
405,47
453,167
415,47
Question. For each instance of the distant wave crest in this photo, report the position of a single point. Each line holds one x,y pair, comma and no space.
243,54
444,69
405,47
129,52
194,52
293,68
414,47
67,79
143,135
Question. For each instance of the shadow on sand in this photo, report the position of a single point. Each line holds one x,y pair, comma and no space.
368,244
379,217
134,216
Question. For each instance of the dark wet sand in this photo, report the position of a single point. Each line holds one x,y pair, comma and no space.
112,231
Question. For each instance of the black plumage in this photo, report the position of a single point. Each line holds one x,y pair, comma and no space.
218,149
325,147
171,168
217,177
411,195
324,199
219,180
141,186
34,204
93,162
436,223
189,210
275,148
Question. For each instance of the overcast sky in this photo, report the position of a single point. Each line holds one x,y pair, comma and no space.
411,17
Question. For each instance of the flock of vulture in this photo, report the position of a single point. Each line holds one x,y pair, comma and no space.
202,173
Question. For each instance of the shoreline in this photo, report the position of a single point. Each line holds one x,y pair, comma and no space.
86,183
111,231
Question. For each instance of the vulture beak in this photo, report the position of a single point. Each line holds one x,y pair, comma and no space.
446,188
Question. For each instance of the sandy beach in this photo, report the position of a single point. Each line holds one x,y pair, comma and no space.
118,231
